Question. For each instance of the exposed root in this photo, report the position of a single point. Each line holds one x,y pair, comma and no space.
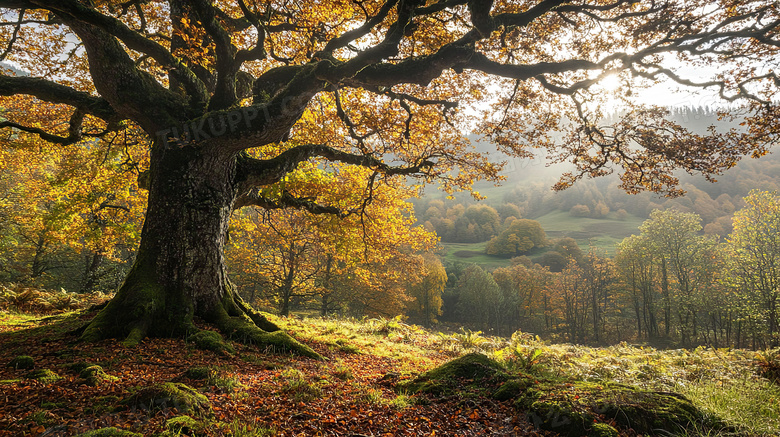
244,330
140,310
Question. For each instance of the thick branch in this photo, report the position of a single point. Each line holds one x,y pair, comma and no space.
286,200
72,11
53,92
132,92
255,172
227,67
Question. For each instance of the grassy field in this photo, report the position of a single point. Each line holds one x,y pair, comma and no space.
472,253
378,377
604,234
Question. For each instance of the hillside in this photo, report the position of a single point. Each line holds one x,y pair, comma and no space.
594,212
370,384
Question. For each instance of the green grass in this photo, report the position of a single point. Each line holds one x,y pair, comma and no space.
724,383
294,383
602,233
747,401
391,338
455,252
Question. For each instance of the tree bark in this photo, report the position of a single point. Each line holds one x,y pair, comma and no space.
179,272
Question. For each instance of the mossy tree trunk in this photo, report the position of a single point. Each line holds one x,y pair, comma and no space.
179,272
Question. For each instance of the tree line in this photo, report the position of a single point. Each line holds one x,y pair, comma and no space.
671,284
464,221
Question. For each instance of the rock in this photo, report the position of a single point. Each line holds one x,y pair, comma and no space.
474,369
22,362
169,395
211,341
94,376
45,376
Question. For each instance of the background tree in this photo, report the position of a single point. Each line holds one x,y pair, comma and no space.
597,277
755,262
687,260
638,269
517,239
524,290
232,97
301,257
479,299
70,216
426,293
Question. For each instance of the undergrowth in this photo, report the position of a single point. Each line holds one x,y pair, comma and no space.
734,385
738,386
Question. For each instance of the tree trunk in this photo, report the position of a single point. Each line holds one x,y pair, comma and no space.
92,263
179,272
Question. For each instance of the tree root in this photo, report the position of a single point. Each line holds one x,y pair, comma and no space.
245,330
145,312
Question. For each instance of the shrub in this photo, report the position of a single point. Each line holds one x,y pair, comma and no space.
579,211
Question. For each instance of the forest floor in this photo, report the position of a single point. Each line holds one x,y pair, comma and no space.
369,385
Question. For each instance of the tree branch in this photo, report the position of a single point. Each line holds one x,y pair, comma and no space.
351,35
14,35
74,11
53,92
286,200
137,95
74,130
261,172
227,67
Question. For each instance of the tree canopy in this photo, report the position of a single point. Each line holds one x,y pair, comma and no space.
231,99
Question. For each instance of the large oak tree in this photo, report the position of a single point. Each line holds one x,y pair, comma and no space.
233,95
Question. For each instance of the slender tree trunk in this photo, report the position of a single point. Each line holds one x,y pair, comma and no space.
327,283
39,263
667,297
92,263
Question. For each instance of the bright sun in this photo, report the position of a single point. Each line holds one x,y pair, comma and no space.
610,82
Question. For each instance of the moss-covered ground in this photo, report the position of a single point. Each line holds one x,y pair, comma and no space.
379,377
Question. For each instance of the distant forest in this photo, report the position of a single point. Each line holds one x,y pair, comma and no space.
527,193
681,279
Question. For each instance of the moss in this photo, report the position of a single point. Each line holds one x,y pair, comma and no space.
104,405
602,430
79,367
9,381
183,425
53,405
45,376
211,341
94,376
245,331
509,390
474,369
169,395
42,418
135,307
22,362
197,373
109,432
571,408
647,410
233,301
